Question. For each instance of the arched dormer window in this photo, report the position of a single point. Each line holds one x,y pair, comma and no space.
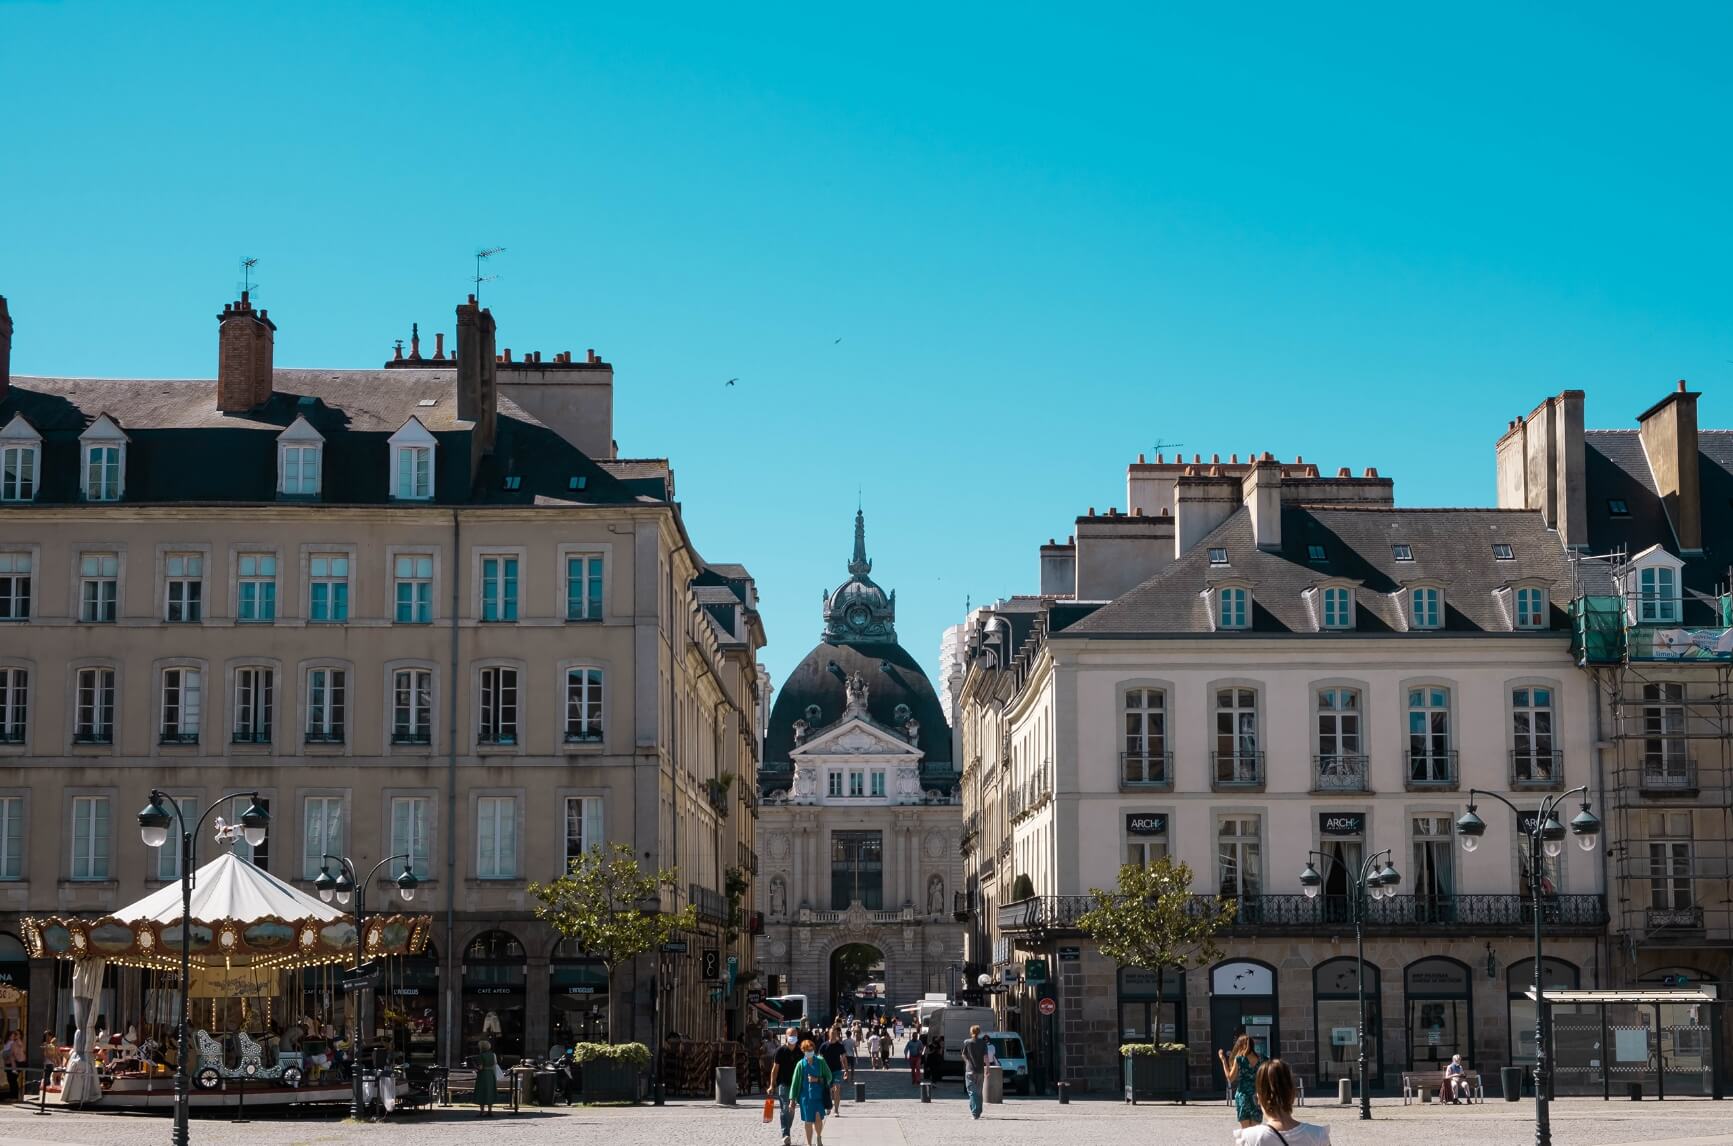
1653,588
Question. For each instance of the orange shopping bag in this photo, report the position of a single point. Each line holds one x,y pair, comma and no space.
769,1108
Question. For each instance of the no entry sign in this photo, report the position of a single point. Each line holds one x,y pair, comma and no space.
1048,1006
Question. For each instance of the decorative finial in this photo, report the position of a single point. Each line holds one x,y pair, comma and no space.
860,566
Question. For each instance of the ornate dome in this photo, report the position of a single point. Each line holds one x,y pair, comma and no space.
859,610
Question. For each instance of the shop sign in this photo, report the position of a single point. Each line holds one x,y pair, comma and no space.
1139,983
1341,823
1242,979
493,989
1525,822
15,974
1436,976
585,989
1145,824
406,992
1070,954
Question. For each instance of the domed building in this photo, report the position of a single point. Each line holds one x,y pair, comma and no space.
861,821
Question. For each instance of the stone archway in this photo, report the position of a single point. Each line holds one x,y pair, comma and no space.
858,980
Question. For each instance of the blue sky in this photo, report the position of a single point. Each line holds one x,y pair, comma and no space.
1046,237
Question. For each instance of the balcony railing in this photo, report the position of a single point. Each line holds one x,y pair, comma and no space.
411,736
1431,769
1668,775
176,736
1339,773
1333,915
1237,771
1665,919
1532,769
712,904
1140,771
13,734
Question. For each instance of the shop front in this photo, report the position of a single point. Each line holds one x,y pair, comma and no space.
409,1012
577,998
1243,1001
1336,1020
14,988
494,977
1440,1012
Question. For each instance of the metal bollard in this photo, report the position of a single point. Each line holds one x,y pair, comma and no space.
926,1092
1065,1094
860,1092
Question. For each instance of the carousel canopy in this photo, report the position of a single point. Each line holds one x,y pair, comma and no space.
241,915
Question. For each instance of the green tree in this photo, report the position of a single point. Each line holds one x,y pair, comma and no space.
1153,920
609,906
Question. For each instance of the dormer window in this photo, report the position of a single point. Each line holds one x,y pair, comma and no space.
20,460
300,457
104,455
1501,551
1425,608
1218,555
1315,554
1402,552
1658,595
1338,610
412,450
1531,610
1233,608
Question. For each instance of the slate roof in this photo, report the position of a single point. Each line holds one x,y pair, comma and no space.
893,677
1616,468
183,449
1451,548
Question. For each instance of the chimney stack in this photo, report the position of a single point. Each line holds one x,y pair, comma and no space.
246,342
5,349
1262,490
1669,434
477,389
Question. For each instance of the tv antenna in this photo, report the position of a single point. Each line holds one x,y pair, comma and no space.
248,286
480,254
1161,445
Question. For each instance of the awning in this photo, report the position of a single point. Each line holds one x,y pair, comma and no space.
770,1012
1688,995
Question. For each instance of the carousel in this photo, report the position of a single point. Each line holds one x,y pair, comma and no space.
268,1020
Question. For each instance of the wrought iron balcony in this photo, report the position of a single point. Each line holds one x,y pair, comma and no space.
1141,771
173,735
1668,774
1340,773
1432,769
1532,769
1661,920
712,904
1333,915
411,736
1237,771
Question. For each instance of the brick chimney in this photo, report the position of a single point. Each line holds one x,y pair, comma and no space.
5,349
1669,433
477,385
246,342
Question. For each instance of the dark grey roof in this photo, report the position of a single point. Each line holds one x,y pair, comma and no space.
893,677
1616,468
1451,548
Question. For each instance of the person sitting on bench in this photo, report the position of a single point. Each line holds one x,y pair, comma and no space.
1455,1085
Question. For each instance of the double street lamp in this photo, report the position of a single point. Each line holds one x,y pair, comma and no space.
341,888
1367,880
153,827
1546,836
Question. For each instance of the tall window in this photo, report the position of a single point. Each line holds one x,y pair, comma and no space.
12,838
93,720
1429,736
1531,608
409,835
1434,875
184,588
326,689
584,587
182,697
414,472
496,837
1234,608
168,857
857,870
833,783
1531,729
412,706
328,587
1666,763
300,471
583,826
857,782
1144,850
1658,594
1340,763
876,783
14,704
90,837
1426,608
14,586
102,475
1239,854
253,705
1338,607
322,832
17,473
498,724
1236,736
256,587
98,587
499,588
414,587
1145,759
583,705
1670,865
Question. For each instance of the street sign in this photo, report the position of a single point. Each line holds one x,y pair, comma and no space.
674,947
712,964
1070,954
1034,970
1048,1006
754,997
362,982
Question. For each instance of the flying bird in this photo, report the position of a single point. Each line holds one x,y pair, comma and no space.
834,343
731,381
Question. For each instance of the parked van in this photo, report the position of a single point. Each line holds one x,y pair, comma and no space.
1013,1059
953,1022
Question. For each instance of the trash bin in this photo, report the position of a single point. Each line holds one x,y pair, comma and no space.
1510,1080
994,1083
727,1089
546,1087
1635,1090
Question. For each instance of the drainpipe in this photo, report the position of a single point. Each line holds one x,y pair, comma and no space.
451,959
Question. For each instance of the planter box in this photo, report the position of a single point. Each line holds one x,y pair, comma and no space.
608,1082
1155,1077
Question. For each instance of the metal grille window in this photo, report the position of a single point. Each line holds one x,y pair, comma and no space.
1531,730
1145,760
583,704
499,588
182,696
1338,608
857,870
89,837
1666,763
1426,608
323,832
1670,862
256,587
253,705
17,473
1239,857
583,826
14,704
1429,735
412,706
185,588
496,837
102,473
325,705
99,587
409,832
1658,594
414,588
499,713
12,838
1531,608
584,587
93,722
328,588
15,581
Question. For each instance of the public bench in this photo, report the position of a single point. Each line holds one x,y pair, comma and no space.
1417,1082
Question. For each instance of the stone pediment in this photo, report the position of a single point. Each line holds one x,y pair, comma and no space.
857,737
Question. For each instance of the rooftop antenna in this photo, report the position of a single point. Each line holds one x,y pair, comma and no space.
248,286
1161,445
480,254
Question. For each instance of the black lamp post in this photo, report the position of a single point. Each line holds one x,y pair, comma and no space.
1371,880
341,888
1545,836
153,827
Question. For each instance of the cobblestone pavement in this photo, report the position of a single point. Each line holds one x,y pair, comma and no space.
893,1116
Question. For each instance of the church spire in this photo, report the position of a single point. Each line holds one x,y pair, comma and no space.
860,566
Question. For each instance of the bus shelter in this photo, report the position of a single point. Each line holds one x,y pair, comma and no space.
1663,1041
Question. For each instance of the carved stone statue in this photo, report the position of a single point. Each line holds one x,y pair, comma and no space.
856,692
805,784
778,896
935,894
800,729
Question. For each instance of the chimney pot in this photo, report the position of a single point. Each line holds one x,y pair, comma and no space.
1344,472
1298,460
506,355
1216,458
1196,458
1092,511
439,344
5,349
1234,459
1681,385
1158,459
471,300
1371,472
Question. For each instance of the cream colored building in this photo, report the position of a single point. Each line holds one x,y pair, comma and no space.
413,616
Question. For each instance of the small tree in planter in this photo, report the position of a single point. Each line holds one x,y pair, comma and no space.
1022,888
1153,920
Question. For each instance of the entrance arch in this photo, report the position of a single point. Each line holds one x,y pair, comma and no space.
857,981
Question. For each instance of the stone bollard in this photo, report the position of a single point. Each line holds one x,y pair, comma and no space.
1345,1092
926,1092
1064,1094
859,1092
727,1090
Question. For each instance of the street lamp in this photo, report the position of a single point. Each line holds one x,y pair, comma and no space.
153,828
342,888
1370,879
1546,836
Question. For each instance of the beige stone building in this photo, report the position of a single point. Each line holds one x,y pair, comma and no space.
424,609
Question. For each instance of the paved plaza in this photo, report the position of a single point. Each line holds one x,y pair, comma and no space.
893,1115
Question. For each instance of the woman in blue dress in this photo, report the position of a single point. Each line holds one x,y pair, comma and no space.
1241,1067
810,1086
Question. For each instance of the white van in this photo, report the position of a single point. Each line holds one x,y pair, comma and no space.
1013,1059
953,1022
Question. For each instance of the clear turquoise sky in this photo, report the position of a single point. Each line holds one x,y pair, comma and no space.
1047,236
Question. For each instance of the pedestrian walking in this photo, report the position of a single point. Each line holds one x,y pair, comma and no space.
811,1084
873,1047
1275,1093
13,1057
913,1051
840,1067
1240,1066
975,1050
486,1080
781,1087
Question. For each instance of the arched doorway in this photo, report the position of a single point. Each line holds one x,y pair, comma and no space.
494,976
1440,1012
857,981
1242,1001
577,997
14,986
411,1009
1336,1011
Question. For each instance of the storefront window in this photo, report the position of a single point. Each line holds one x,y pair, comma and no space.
1440,1012
493,995
1555,973
408,1011
14,987
1147,1014
577,998
1336,997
